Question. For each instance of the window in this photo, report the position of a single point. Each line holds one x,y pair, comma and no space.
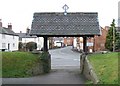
102,45
3,36
3,45
13,44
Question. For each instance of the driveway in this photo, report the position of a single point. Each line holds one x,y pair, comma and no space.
65,70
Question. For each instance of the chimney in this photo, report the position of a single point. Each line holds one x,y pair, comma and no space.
20,31
10,26
0,22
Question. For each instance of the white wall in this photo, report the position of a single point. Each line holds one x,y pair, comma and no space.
11,40
76,46
81,46
75,42
58,43
38,40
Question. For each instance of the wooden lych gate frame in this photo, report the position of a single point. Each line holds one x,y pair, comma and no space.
74,24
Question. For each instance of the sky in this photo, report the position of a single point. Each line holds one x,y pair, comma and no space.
20,12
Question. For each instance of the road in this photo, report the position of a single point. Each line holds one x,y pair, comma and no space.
65,70
64,58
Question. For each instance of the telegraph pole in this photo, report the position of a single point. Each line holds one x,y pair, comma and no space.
113,38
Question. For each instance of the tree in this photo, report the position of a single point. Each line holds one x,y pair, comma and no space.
109,39
31,46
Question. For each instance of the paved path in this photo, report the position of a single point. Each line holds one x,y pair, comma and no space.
55,77
65,70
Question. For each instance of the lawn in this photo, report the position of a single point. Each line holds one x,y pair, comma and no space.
106,67
16,64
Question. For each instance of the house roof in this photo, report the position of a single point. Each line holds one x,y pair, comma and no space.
7,31
25,35
58,24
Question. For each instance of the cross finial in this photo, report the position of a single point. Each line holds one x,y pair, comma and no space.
65,7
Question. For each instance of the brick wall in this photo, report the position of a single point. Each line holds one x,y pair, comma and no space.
68,41
99,41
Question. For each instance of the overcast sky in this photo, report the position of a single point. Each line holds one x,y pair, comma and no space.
20,12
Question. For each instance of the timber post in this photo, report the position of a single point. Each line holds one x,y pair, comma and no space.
85,44
45,46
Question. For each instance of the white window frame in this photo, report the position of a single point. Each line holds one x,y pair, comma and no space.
3,45
13,44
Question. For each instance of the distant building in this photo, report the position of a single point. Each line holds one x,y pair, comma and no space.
8,39
25,38
99,41
51,42
68,41
96,43
78,43
58,41
63,41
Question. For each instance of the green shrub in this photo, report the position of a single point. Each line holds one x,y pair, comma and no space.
20,46
31,46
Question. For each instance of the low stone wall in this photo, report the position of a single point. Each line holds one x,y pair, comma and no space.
39,67
36,70
49,62
46,62
87,69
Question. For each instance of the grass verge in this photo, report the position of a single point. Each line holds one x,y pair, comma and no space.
16,64
106,67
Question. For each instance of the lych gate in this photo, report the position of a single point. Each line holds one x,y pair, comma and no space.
74,24
77,24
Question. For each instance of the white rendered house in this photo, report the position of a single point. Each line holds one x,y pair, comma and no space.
8,39
78,43
25,38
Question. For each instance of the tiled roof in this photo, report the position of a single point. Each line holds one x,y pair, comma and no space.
79,23
7,31
25,35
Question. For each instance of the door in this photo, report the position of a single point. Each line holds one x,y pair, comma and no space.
8,46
